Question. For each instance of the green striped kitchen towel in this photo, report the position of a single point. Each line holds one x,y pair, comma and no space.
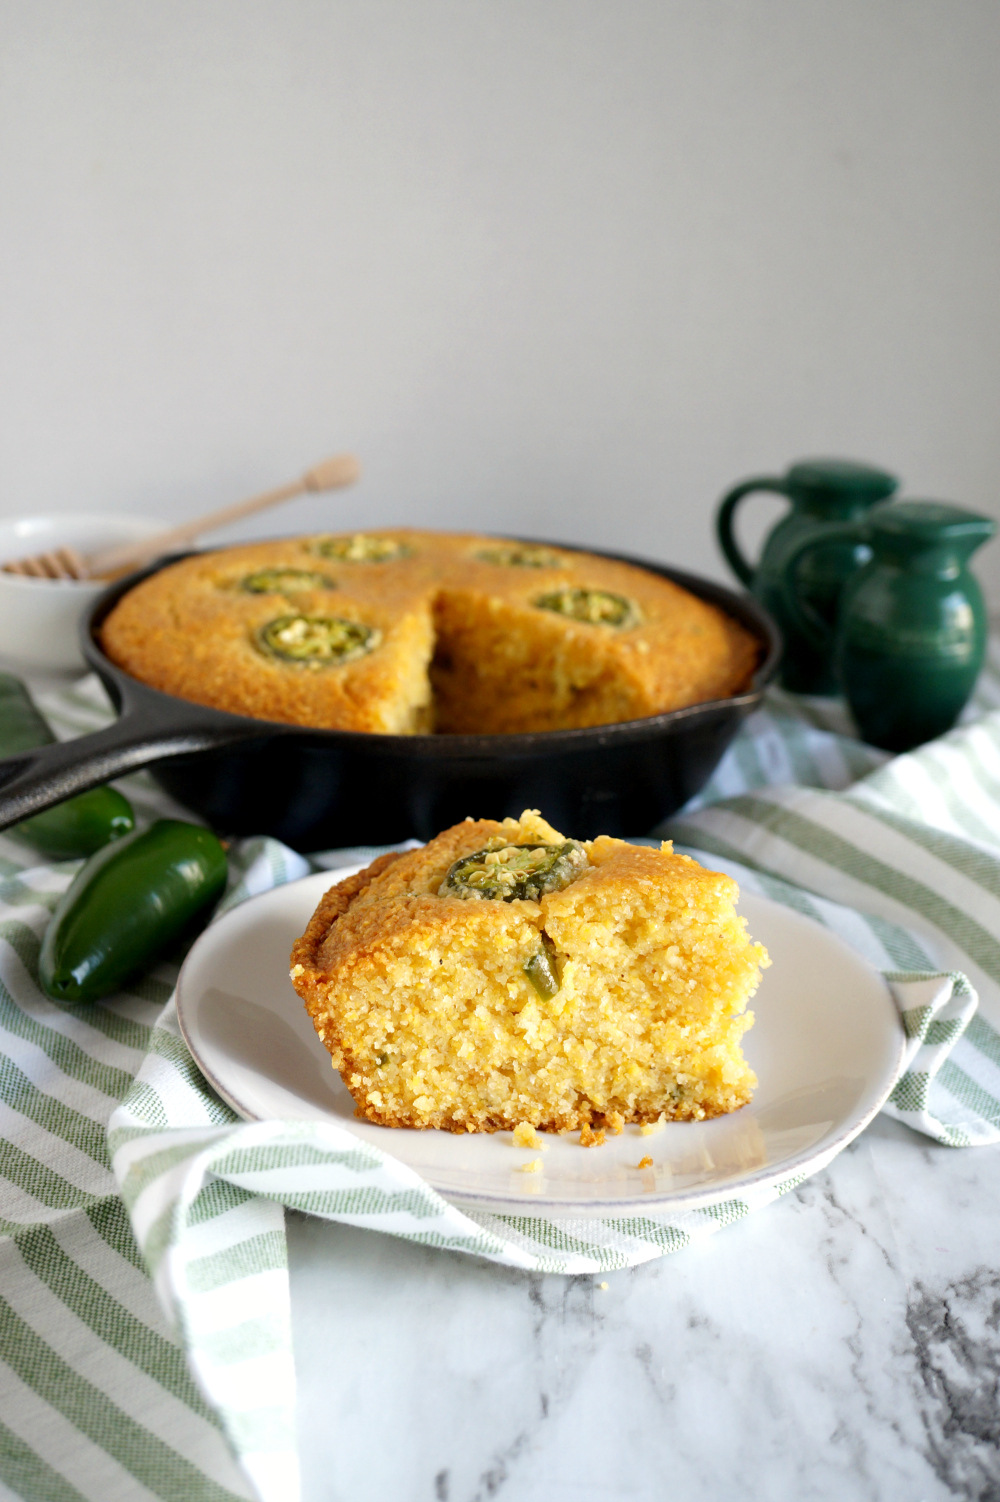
115,1157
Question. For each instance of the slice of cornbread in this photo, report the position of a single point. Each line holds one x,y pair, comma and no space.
503,974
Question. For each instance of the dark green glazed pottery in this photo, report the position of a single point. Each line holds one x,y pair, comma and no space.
911,629
821,491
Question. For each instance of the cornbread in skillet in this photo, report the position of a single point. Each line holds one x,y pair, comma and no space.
502,974
412,631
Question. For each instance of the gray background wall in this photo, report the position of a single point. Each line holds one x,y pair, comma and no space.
566,267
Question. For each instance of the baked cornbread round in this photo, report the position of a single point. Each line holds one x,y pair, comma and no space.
502,974
408,631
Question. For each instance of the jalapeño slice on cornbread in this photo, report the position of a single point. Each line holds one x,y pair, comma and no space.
504,974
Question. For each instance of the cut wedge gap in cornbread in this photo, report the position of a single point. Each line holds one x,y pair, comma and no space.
614,992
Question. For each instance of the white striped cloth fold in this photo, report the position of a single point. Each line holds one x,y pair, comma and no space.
115,1157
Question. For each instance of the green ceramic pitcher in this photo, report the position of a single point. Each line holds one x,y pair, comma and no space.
911,626
820,491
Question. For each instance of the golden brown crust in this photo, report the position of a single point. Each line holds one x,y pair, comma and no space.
334,904
448,621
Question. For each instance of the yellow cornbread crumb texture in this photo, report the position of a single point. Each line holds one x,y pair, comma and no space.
425,1007
526,1136
535,1166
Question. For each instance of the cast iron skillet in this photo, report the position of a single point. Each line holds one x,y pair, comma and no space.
319,788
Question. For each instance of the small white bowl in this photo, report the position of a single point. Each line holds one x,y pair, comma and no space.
39,617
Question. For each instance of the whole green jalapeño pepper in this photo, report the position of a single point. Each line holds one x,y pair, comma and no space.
82,824
127,905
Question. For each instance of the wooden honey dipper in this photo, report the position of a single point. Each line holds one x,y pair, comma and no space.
67,563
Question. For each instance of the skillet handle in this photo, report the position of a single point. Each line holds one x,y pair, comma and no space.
37,779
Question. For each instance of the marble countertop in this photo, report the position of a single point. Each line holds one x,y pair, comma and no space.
843,1343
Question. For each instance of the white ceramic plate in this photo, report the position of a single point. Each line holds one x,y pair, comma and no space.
827,1047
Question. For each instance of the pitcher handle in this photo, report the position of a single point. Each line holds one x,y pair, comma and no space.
801,613
724,521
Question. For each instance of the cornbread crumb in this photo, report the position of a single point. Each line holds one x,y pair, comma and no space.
619,997
535,1166
602,1285
644,1163
296,970
526,1136
649,1127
